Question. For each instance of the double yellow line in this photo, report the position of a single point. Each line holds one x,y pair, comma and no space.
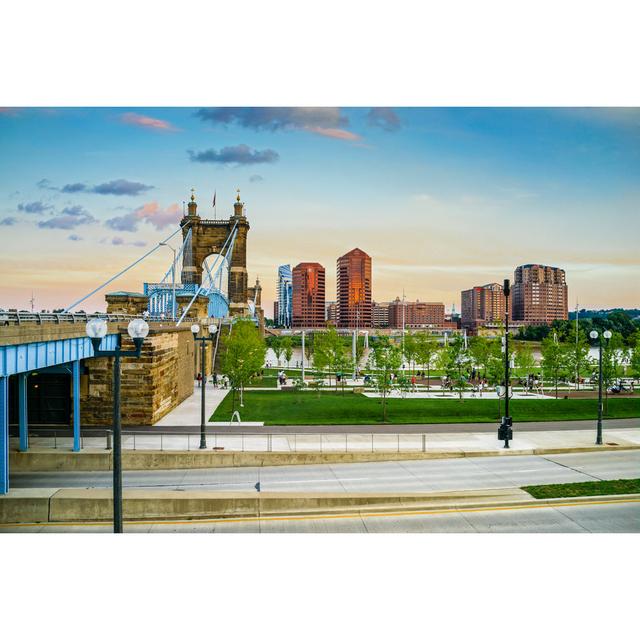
328,516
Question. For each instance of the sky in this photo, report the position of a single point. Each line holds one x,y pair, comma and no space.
442,199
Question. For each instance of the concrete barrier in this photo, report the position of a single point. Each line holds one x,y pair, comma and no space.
100,460
26,505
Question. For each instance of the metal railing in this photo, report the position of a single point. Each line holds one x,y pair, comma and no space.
242,442
28,317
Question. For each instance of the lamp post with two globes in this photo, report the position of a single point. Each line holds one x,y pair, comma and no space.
195,329
138,329
607,336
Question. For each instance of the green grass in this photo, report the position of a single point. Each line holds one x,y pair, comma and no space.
305,408
571,490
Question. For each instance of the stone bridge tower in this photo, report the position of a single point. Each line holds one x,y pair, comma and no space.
208,237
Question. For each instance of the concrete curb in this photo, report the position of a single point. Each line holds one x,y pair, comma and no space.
100,460
95,505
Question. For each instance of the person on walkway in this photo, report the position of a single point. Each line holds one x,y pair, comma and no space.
199,378
215,380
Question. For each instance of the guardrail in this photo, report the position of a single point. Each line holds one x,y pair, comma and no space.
28,317
243,442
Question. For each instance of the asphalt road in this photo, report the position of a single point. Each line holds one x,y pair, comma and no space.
621,517
391,476
461,427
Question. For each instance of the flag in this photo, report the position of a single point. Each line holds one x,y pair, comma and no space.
214,198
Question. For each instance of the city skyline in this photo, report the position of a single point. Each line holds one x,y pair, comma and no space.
440,198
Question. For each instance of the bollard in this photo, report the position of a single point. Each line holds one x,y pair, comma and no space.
108,440
55,439
295,442
424,442
372,443
134,440
161,449
320,443
346,444
270,442
398,443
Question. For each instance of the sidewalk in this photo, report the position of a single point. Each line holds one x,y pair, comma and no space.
187,413
481,443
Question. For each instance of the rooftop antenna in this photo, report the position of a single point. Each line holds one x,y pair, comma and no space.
32,301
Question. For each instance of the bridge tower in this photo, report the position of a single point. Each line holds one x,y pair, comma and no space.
208,237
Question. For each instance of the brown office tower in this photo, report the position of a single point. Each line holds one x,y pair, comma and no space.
308,295
416,314
539,294
482,305
354,290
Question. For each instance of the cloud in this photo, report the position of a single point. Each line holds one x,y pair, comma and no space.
255,178
38,207
69,218
274,118
139,243
121,187
74,237
383,117
240,154
74,187
146,122
117,241
338,134
150,212
8,222
45,184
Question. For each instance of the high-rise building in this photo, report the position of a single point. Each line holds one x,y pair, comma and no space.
416,314
380,314
483,305
354,289
285,283
275,312
539,294
331,309
308,296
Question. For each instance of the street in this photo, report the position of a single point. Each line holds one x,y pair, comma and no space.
392,476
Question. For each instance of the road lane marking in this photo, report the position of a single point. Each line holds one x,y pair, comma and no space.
328,516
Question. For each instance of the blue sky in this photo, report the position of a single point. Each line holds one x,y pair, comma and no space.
442,199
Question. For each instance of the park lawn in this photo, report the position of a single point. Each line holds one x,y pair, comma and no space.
574,489
308,408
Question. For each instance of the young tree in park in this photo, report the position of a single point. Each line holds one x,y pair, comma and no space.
458,365
554,360
386,359
330,353
410,350
276,346
611,356
524,360
287,349
443,362
480,352
426,348
243,356
308,346
578,361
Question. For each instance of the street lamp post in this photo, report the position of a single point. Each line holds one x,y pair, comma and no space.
173,278
505,431
593,335
213,329
96,330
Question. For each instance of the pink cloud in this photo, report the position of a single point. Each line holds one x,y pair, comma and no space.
338,134
146,122
160,218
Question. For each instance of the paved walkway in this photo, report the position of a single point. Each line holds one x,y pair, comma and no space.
187,413
339,442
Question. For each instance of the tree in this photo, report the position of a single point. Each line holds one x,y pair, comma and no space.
410,350
243,356
578,361
276,346
426,348
287,348
386,359
308,346
634,359
330,353
554,360
458,365
611,357
443,361
523,358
